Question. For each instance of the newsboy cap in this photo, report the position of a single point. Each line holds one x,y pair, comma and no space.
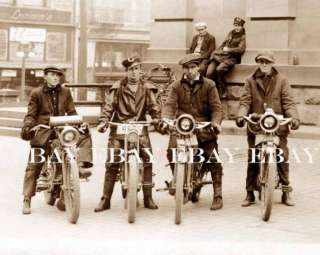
266,55
200,25
131,62
238,21
53,69
191,58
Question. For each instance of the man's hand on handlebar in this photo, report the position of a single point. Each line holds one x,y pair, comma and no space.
240,122
102,127
295,123
163,127
216,128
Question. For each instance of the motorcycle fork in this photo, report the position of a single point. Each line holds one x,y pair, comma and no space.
127,147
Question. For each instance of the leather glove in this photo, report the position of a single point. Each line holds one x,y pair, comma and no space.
102,127
215,128
84,128
26,133
163,127
240,122
295,123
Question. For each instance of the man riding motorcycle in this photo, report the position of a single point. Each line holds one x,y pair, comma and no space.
267,88
129,99
51,99
198,96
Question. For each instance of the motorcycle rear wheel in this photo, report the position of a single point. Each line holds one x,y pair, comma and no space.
179,194
131,194
71,190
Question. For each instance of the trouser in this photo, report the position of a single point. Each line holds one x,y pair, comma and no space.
112,169
208,147
253,168
203,67
216,71
33,169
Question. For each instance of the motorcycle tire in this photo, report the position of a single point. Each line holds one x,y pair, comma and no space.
179,194
267,188
131,196
72,190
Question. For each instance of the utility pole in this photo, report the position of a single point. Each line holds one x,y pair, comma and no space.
82,61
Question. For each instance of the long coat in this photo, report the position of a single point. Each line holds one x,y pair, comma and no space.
207,47
202,102
40,109
274,91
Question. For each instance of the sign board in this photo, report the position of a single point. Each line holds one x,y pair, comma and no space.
8,73
26,34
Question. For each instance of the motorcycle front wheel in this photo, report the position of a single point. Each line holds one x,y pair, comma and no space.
179,195
71,190
131,196
268,174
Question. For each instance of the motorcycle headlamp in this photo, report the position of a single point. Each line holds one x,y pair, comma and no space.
269,123
133,137
69,136
185,124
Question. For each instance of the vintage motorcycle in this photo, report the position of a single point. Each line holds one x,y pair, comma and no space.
131,170
265,126
189,177
61,168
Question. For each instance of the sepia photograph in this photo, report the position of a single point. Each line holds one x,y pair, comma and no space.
181,127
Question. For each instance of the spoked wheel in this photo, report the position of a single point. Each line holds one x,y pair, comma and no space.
71,190
179,174
268,175
131,196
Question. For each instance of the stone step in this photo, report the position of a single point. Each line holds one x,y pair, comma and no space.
12,114
11,122
10,131
301,75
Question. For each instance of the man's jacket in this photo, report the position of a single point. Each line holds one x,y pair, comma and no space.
201,100
40,108
273,90
207,47
236,42
122,105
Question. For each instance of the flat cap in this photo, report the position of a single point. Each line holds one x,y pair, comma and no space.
131,62
53,69
238,21
266,55
200,25
191,58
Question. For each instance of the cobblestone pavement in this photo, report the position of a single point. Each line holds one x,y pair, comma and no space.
232,230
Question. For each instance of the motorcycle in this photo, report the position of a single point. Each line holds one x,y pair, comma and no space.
265,127
189,177
62,177
131,171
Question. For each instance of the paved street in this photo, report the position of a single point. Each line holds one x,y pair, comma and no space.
46,230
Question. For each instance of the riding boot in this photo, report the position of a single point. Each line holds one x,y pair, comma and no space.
26,205
217,202
249,199
286,199
147,198
104,203
61,204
